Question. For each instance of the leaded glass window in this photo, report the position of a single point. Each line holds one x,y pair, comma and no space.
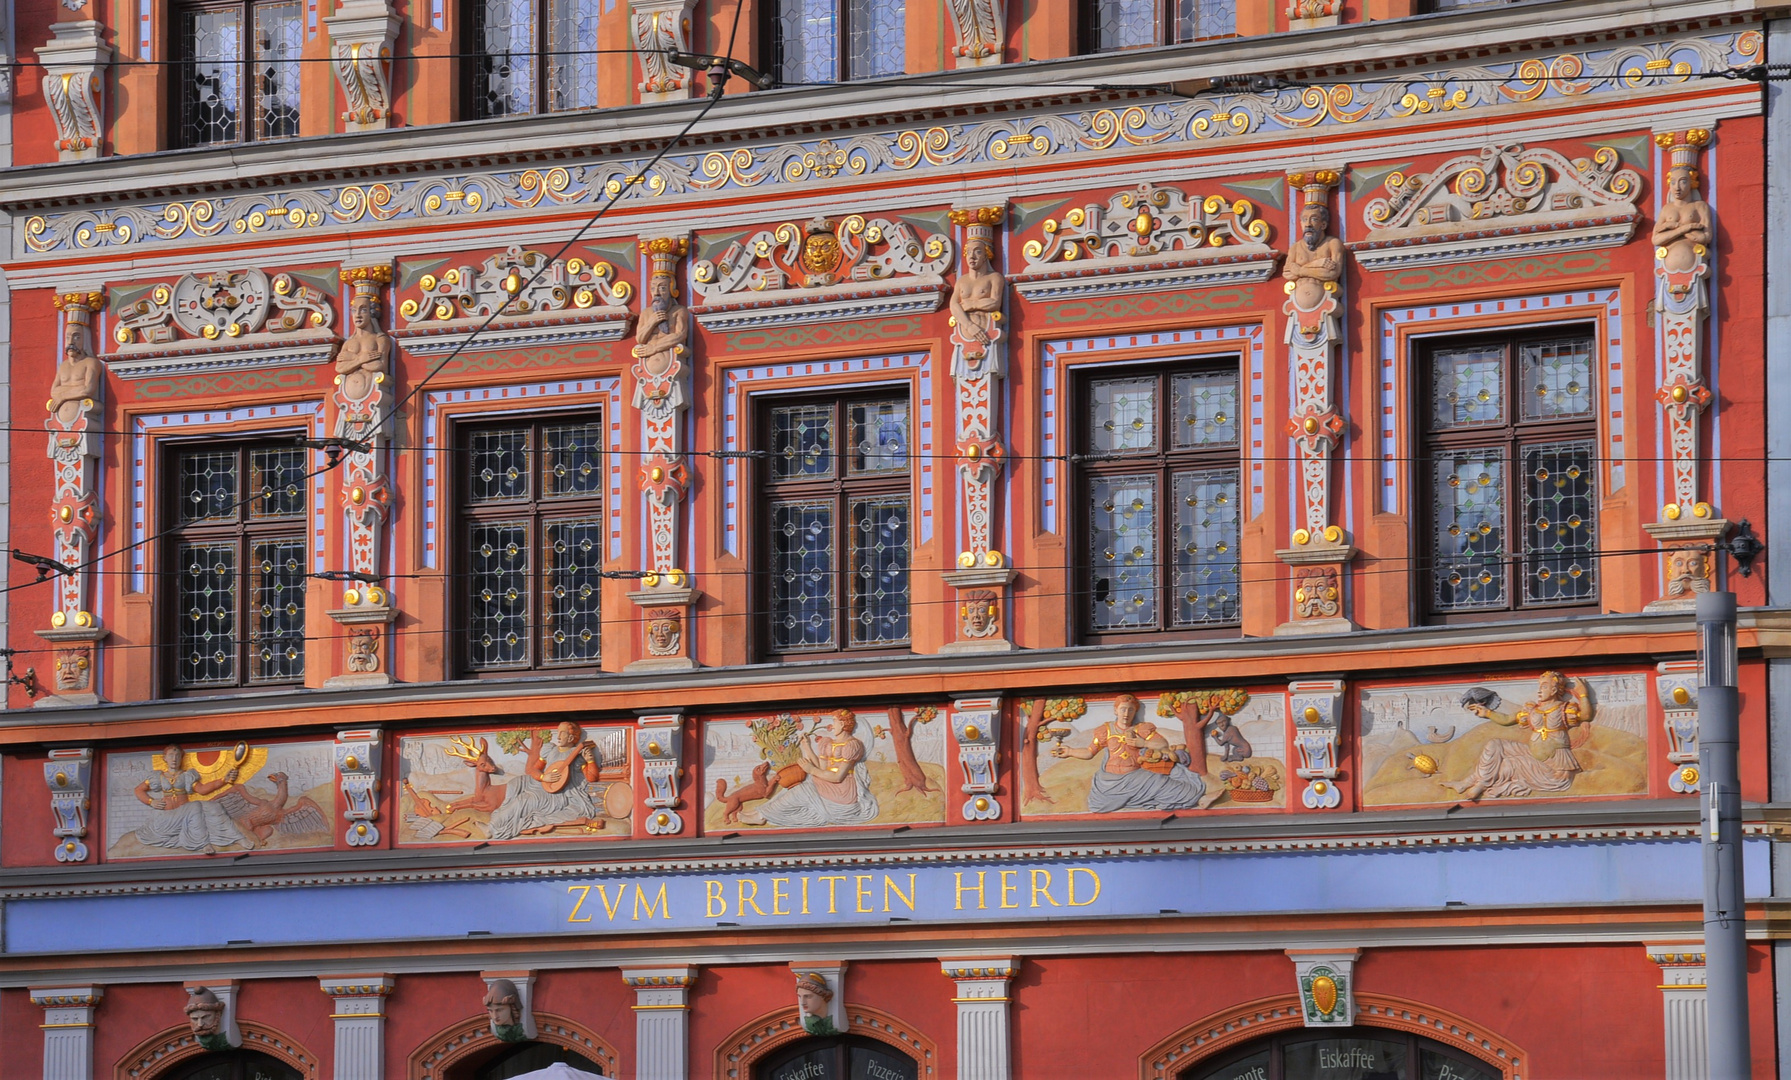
532,512
239,71
1158,454
1510,464
238,544
836,525
1130,24
533,56
808,37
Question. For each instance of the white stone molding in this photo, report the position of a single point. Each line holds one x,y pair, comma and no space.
976,725
982,1000
74,87
1500,202
225,991
359,1015
358,755
1326,980
68,1029
1676,684
67,775
980,28
1317,710
662,26
1150,238
525,990
661,1021
536,302
660,741
361,36
1684,1007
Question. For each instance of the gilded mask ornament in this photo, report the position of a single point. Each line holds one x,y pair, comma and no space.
1316,595
73,670
820,252
665,628
503,1007
980,614
1688,572
363,649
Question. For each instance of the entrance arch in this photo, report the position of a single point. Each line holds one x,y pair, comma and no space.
169,1052
760,1039
471,1042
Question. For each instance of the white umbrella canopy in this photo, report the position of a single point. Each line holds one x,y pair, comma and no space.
559,1070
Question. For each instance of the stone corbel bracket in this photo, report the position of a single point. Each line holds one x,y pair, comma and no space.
1151,238
660,742
1317,711
537,302
976,724
236,319
662,27
1676,684
358,756
225,992
67,775
1500,202
74,87
980,27
361,36
1327,985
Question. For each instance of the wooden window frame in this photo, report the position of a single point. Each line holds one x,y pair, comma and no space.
248,99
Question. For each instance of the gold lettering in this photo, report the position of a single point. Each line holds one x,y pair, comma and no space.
830,879
748,897
778,895
1097,886
805,896
863,893
665,905
958,875
584,892
609,908
713,896
1006,888
1045,889
889,885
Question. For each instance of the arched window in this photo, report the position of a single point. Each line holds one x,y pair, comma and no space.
1357,1053
841,1057
526,1058
237,1065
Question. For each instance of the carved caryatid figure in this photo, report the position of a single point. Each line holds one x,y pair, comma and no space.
1683,254
1315,259
976,310
1682,227
79,377
661,346
1314,269
366,355
74,451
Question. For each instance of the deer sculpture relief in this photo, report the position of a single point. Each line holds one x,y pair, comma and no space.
477,753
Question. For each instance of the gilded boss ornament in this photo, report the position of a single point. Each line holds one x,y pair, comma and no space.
1324,994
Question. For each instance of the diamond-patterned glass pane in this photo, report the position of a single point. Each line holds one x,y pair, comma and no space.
279,36
498,465
1122,415
807,41
1470,386
1205,409
277,596
207,491
1125,24
879,38
211,93
498,615
1122,540
801,441
880,436
879,572
1468,545
504,78
1206,547
205,614
277,482
574,460
572,69
1197,20
574,591
801,593
1556,379
1560,513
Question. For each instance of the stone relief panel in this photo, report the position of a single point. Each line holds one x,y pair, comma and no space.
1549,736
825,769
527,783
1198,749
209,800
537,300
231,318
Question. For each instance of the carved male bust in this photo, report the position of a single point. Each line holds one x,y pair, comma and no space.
1315,258
205,1016
664,329
503,1007
813,1000
78,377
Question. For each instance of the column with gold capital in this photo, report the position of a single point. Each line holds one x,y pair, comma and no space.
75,452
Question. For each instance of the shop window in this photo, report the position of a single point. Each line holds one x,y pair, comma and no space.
1109,25
823,41
836,518
844,1057
531,551
238,71
236,1065
528,1058
1345,1054
1508,464
533,56
236,555
1158,456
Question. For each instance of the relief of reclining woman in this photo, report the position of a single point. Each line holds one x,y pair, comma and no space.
1139,770
1539,760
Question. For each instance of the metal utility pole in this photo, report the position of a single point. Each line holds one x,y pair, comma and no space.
1725,912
